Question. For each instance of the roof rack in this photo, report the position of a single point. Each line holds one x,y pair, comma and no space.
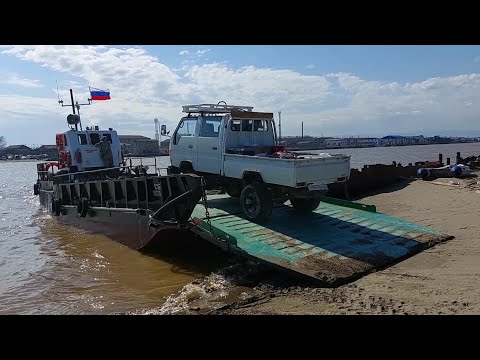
214,108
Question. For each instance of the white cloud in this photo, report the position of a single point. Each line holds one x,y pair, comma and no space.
14,79
184,52
202,52
310,66
143,88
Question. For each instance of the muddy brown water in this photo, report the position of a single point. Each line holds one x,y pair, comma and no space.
50,268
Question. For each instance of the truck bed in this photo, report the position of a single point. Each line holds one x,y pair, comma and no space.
322,168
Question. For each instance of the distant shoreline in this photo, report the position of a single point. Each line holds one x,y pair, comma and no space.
289,148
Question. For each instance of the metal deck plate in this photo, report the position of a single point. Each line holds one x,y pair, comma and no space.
334,245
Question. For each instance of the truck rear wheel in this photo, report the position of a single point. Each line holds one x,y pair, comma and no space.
305,205
256,201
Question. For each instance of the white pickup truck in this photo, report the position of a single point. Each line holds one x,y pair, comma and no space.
238,149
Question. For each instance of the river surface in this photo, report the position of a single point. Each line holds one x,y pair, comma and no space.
404,154
48,268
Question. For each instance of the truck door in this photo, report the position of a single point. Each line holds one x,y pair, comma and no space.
183,146
208,145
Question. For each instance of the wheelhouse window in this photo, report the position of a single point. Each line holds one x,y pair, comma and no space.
109,137
186,128
210,126
82,139
94,138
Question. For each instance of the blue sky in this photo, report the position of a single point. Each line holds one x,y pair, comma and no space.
335,90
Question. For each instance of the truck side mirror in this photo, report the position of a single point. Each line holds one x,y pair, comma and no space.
163,130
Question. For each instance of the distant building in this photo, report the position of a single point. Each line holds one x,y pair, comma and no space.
336,143
50,150
165,144
17,150
393,140
130,139
146,148
139,145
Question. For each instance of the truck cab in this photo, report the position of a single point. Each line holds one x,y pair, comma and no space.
200,140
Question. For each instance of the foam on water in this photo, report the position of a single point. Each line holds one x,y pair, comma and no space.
212,287
208,292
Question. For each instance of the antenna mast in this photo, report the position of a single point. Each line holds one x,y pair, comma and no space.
157,136
279,126
73,105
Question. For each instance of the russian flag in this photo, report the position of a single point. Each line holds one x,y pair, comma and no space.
97,94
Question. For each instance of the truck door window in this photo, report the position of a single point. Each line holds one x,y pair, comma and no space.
210,126
247,125
186,128
94,138
82,139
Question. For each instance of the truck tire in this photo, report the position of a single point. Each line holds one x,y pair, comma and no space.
233,190
186,168
256,201
173,170
305,205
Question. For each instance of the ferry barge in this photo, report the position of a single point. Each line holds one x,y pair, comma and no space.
92,187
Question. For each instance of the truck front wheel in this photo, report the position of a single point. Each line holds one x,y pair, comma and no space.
305,205
186,168
256,201
173,170
233,190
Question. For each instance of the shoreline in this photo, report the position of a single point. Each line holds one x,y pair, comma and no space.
369,147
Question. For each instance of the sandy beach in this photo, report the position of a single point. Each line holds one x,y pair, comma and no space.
444,279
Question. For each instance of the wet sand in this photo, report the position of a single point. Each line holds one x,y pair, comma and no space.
444,279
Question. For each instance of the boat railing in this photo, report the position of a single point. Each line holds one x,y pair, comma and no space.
129,167
140,169
141,160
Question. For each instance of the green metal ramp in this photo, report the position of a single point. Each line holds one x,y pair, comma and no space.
340,242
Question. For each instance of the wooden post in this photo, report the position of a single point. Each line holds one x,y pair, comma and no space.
440,158
458,157
448,161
